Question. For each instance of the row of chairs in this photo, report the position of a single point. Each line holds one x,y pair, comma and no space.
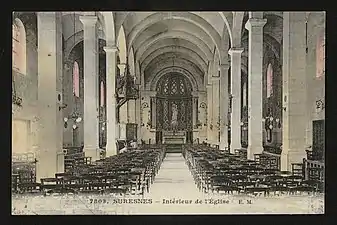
74,157
221,171
131,172
23,171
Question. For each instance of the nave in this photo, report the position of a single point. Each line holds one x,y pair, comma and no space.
172,182
88,88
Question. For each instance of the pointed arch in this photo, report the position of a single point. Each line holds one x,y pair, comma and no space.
121,44
19,54
76,80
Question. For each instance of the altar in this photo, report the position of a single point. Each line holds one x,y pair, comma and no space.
174,137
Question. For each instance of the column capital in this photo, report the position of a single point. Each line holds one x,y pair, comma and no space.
233,50
67,65
209,86
195,94
224,66
88,20
111,49
255,22
122,67
215,79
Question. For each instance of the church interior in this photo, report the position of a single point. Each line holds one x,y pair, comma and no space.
169,105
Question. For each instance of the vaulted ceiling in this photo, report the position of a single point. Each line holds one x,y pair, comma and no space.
192,42
186,40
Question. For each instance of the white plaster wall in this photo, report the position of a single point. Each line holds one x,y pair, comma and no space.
26,85
316,86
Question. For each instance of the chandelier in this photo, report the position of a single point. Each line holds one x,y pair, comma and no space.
75,118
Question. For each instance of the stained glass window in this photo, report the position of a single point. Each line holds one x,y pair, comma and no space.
166,86
174,88
76,80
18,47
269,80
173,84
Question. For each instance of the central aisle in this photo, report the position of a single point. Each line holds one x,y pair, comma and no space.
174,179
173,182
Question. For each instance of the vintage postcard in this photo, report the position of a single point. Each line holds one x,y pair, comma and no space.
126,113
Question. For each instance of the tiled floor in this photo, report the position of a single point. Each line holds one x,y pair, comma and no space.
173,182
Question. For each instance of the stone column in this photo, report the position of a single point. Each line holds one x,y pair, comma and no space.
216,109
153,106
294,89
235,54
194,110
50,66
138,102
209,116
111,59
138,119
69,101
91,114
255,74
224,106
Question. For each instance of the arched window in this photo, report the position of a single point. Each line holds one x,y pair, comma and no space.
18,47
76,80
174,85
269,80
102,94
320,56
